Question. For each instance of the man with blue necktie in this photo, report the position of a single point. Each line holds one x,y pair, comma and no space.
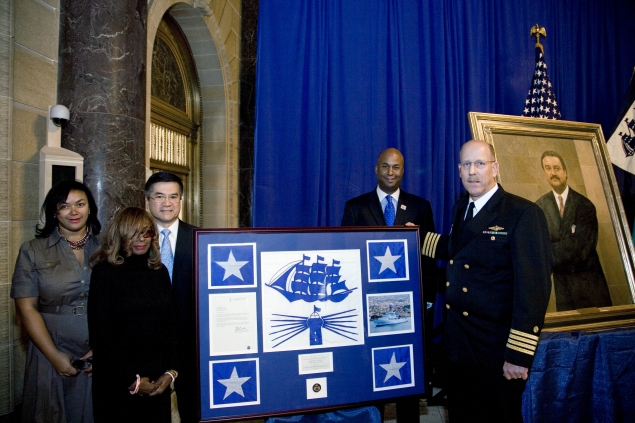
164,194
388,205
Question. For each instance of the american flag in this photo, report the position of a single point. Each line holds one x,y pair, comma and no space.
541,100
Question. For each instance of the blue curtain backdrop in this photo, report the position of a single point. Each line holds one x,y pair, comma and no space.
338,81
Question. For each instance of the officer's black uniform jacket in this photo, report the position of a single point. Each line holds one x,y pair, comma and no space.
498,281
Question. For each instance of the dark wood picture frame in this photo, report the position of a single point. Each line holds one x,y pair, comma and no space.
260,352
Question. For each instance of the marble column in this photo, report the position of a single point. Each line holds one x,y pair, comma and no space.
101,80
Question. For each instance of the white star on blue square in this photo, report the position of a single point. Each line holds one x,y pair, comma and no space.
387,260
234,382
392,367
231,265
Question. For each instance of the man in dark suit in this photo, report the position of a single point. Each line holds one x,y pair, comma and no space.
578,278
388,205
164,193
497,291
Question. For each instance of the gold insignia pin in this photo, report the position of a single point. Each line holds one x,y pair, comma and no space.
496,228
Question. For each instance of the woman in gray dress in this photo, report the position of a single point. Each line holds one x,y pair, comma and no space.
50,288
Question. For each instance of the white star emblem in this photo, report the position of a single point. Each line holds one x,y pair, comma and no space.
234,384
392,368
387,261
232,267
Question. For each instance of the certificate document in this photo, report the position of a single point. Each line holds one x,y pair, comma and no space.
232,324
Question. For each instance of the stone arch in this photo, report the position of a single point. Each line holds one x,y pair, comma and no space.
214,58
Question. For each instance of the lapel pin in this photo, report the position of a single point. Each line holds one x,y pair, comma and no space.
403,207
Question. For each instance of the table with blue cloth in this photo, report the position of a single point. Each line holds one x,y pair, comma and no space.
576,377
582,377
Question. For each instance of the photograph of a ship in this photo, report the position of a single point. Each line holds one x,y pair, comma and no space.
390,313
311,299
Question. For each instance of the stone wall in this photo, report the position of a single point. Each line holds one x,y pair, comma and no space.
29,38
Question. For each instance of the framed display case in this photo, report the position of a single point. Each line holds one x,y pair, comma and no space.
593,248
299,320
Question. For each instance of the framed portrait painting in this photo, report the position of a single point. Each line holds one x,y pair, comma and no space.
564,167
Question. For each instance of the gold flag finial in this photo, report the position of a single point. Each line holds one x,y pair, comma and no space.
537,31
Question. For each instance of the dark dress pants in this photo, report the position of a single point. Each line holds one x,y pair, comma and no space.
480,394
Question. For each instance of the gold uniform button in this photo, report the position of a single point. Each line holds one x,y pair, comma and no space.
465,313
451,261
464,289
536,329
82,282
467,266
493,238
447,283
81,304
447,306
81,295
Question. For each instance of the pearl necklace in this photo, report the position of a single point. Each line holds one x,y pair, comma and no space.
76,245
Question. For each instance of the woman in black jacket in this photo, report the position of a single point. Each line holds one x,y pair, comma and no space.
131,324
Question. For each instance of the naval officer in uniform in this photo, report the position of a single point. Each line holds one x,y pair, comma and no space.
497,290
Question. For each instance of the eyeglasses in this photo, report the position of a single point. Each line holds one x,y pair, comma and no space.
174,198
479,164
147,234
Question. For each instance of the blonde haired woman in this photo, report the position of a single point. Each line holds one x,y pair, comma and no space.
131,325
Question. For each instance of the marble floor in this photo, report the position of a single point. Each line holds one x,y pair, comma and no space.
432,414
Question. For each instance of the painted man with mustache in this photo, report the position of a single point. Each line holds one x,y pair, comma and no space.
578,278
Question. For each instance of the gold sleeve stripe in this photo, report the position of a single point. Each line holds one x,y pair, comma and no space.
522,350
430,244
524,334
523,340
521,345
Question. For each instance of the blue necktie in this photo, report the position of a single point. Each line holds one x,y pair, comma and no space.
389,211
167,258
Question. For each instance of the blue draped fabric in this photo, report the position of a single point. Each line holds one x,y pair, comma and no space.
338,81
582,377
353,415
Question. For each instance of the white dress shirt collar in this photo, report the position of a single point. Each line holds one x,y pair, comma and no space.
383,195
480,203
564,195
174,231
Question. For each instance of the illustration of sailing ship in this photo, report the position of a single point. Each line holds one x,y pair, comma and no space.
317,281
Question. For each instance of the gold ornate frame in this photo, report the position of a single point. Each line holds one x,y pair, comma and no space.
519,143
